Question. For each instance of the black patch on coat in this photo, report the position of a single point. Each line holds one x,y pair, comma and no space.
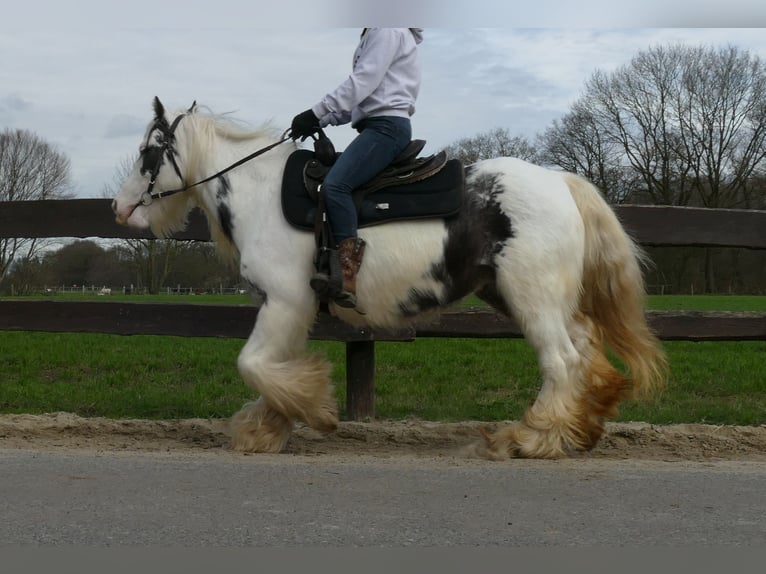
489,294
151,156
419,301
224,188
474,237
494,224
224,213
159,142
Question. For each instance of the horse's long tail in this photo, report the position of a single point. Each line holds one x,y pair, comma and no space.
613,294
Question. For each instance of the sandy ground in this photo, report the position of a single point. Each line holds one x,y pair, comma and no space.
387,439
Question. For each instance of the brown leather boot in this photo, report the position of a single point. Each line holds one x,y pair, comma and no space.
350,253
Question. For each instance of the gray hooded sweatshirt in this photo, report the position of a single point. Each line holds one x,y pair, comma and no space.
384,81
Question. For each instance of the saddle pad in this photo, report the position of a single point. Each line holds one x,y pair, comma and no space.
439,196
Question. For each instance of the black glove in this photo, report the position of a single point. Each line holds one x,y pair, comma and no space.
304,125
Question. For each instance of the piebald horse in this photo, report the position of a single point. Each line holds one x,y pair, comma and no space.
537,244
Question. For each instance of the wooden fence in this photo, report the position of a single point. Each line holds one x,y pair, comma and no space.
649,225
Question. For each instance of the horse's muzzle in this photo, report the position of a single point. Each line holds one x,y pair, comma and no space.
122,215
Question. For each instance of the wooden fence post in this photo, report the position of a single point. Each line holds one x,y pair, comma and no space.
360,380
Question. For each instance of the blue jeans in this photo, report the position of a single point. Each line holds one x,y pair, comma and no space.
379,141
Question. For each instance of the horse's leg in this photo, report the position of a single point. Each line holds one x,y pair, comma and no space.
603,386
549,425
542,301
580,386
292,384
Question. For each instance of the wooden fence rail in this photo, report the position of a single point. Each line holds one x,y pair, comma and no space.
82,218
649,225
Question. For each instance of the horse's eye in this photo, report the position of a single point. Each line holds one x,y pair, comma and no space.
161,138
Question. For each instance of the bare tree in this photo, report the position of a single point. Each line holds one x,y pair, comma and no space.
678,125
579,144
689,121
494,143
722,128
30,169
633,106
721,113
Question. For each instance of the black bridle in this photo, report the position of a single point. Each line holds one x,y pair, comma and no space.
167,148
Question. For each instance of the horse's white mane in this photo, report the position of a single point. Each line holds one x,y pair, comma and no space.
207,127
226,126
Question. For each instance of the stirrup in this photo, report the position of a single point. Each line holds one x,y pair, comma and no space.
327,281
320,282
345,299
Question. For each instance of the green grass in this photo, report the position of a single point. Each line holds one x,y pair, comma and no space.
707,303
432,379
113,376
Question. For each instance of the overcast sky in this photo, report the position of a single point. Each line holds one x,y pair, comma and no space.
82,76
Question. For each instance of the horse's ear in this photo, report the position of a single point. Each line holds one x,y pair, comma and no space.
159,109
192,107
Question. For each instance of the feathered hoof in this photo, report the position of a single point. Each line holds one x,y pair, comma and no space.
325,417
259,428
326,423
515,441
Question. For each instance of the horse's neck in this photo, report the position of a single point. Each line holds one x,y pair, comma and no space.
244,200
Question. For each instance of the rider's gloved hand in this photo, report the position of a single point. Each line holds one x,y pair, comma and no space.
304,125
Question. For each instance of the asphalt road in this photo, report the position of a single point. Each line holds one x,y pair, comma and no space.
226,500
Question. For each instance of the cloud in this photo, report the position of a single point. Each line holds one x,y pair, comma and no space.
14,103
87,85
123,125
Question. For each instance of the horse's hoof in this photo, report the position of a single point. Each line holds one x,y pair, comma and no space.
326,422
258,428
271,443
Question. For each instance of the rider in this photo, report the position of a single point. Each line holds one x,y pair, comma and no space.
378,99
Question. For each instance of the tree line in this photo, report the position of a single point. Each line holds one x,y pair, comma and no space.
677,125
138,266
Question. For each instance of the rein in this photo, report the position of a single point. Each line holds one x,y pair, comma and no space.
149,195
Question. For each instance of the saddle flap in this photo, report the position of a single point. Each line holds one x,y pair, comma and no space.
402,174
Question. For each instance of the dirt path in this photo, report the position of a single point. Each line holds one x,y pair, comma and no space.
65,431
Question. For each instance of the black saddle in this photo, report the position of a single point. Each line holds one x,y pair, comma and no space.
410,188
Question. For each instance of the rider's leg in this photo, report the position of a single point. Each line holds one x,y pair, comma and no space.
379,141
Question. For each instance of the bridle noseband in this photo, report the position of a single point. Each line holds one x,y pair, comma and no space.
168,148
